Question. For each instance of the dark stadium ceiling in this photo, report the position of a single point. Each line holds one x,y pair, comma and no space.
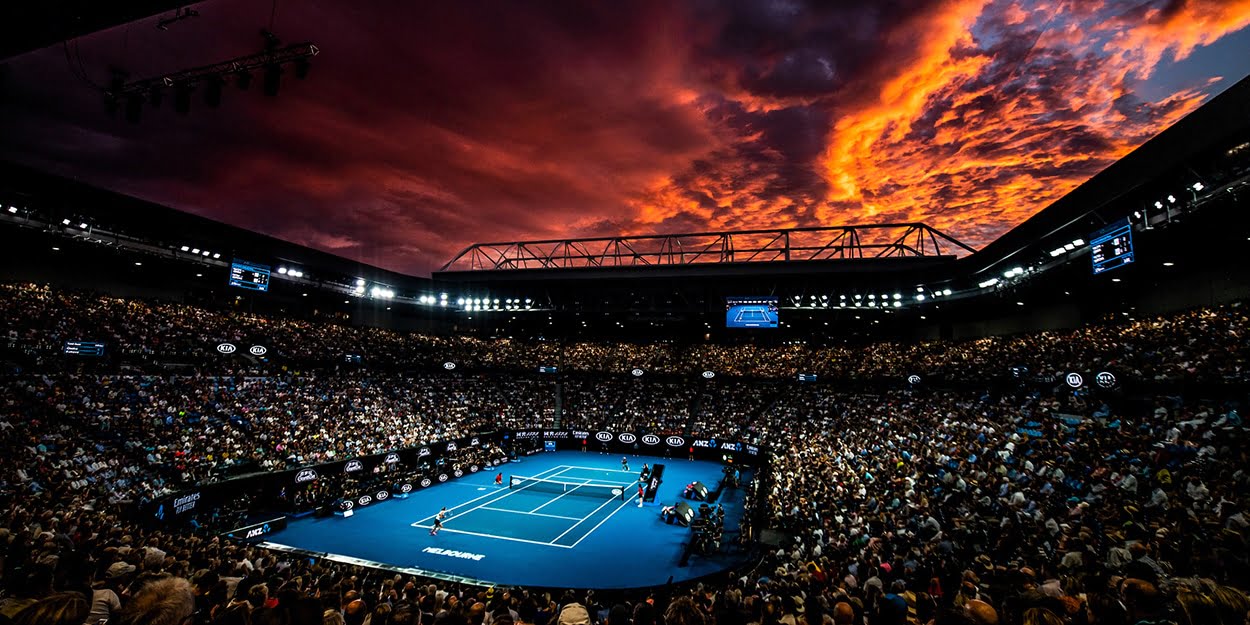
424,127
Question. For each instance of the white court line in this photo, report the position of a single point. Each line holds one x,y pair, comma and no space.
493,492
518,540
605,519
554,516
551,501
604,470
588,516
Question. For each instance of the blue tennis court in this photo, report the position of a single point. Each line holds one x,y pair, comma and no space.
572,529
558,508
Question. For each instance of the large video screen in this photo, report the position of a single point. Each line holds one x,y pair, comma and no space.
751,312
246,275
1112,247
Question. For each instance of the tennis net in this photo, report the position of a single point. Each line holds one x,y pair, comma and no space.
588,488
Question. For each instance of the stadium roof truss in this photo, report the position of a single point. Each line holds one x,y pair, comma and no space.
709,248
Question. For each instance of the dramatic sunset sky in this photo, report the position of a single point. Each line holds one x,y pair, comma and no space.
426,126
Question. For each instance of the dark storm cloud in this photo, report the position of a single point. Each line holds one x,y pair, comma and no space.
426,126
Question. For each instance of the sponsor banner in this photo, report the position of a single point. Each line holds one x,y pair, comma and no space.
650,439
463,555
442,477
527,434
452,446
425,482
186,502
555,434
457,473
391,458
405,487
382,495
582,435
474,469
353,465
259,529
423,452
603,436
675,441
752,450
626,437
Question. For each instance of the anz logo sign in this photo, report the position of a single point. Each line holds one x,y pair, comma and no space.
603,436
257,531
675,441
626,437
451,447
306,475
423,452
392,458
353,465
651,439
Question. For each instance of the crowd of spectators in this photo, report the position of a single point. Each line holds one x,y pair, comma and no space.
1039,505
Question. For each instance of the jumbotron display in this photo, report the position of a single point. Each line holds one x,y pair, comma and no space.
751,312
248,275
1112,247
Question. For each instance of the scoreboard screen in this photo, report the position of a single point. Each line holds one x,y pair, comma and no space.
1112,247
83,348
246,275
750,312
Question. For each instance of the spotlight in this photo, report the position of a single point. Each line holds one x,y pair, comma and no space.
212,91
1197,186
195,250
216,255
273,79
182,98
1171,199
946,291
1158,204
65,222
82,226
185,249
282,270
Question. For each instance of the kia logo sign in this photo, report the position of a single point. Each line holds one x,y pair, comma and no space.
442,477
675,441
913,379
226,348
382,495
365,500
406,488
473,469
392,458
423,452
451,447
651,439
603,436
353,465
708,375
1074,380
1105,379
306,475
626,437
449,365
258,350
637,373
425,481
458,473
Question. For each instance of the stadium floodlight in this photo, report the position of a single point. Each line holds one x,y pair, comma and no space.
898,296
1078,242
184,249
205,253
82,226
1057,252
65,222
872,296
1168,264
216,254
946,291
282,270
920,289
195,250
460,301
872,304
1171,199
1019,303
442,303
138,264
496,301
920,297
898,304
988,283
13,209
1158,204
858,296
1197,186
527,300
299,274
842,304
360,281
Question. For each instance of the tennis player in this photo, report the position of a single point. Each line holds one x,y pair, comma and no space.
642,491
499,479
438,525
442,514
624,463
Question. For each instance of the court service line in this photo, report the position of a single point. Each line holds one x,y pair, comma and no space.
603,470
517,540
554,516
510,493
461,505
588,516
605,519
551,501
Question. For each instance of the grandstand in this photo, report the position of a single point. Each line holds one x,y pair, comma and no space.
870,423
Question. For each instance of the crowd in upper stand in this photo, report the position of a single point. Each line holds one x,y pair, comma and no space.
1039,505
1206,345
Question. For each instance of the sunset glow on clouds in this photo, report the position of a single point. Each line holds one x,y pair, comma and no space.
424,130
